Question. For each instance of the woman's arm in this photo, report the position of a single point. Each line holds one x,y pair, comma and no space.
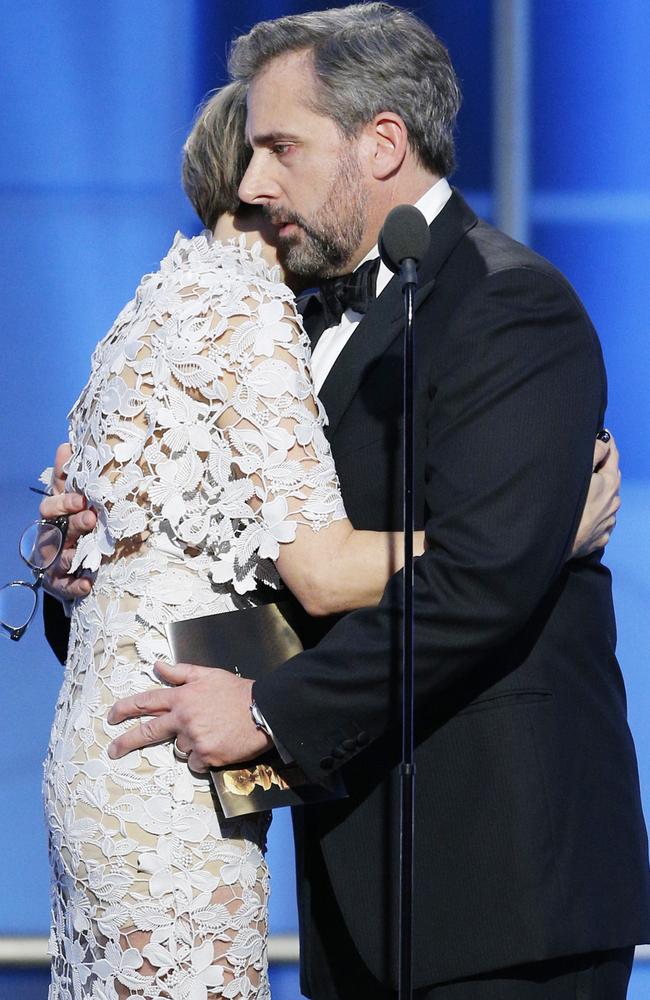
274,428
337,568
340,568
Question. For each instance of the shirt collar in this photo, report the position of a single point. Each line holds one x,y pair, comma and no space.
430,204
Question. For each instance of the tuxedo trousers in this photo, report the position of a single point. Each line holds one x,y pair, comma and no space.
333,969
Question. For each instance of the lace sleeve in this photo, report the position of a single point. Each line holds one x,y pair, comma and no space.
204,422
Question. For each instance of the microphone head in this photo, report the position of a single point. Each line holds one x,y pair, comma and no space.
405,234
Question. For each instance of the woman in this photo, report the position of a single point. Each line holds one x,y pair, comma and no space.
200,445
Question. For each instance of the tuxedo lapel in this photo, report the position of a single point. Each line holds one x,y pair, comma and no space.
384,320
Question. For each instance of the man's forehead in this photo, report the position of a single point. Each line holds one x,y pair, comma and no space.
268,121
289,64
290,75
279,109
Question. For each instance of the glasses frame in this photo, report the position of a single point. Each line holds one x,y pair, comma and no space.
61,523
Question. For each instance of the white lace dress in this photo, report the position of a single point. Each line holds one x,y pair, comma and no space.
198,442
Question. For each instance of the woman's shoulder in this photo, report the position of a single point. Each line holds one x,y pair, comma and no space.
204,260
200,274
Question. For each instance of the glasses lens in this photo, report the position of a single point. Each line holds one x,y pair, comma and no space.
17,604
40,544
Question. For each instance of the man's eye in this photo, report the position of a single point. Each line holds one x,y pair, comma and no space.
280,148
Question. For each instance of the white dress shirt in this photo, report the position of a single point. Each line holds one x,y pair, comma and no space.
333,340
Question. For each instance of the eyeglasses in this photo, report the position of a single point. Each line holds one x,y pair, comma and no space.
40,546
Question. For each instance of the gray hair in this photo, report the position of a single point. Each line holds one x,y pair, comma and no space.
367,58
215,154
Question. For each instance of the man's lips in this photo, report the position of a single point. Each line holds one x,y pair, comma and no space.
287,228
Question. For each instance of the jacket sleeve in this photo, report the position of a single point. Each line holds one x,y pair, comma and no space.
57,627
517,397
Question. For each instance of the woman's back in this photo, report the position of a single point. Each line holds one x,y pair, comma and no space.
193,442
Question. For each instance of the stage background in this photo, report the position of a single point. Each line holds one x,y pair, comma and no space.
97,100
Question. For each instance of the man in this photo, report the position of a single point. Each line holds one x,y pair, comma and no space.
531,854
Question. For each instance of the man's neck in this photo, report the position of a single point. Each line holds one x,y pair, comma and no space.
405,190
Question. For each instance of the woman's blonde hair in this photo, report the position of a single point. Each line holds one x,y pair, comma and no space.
215,154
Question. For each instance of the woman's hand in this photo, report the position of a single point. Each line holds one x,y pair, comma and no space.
80,521
603,501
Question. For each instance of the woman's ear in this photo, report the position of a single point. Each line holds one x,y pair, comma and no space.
388,144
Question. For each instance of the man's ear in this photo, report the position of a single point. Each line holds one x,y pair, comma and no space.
387,144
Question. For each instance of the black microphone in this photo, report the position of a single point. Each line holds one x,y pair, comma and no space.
403,241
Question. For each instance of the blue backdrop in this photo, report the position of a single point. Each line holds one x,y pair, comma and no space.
97,101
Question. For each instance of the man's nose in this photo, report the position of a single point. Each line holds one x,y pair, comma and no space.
257,186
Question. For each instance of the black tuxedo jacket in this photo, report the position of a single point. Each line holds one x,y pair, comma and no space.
530,841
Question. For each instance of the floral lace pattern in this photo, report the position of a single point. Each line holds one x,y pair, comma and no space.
198,442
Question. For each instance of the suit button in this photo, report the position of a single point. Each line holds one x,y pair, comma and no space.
349,745
339,753
327,763
362,739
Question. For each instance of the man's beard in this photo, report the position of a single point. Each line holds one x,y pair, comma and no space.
329,239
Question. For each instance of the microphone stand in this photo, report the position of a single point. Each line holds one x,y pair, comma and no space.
403,242
408,275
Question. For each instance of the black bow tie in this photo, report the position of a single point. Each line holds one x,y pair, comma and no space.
348,291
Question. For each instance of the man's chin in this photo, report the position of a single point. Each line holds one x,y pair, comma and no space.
293,259
308,261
